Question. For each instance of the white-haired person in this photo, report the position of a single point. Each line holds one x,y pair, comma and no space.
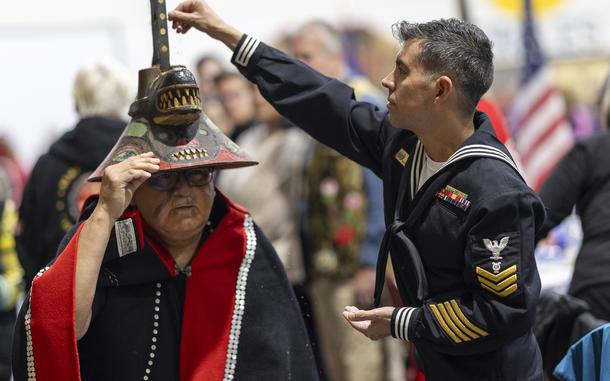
57,185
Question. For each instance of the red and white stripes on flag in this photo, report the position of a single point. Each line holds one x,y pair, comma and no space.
541,129
537,117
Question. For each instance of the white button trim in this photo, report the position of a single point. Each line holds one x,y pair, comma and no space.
240,300
155,332
29,347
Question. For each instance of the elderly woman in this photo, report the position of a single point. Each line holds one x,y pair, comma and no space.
163,278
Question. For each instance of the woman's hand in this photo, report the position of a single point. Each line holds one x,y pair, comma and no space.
121,180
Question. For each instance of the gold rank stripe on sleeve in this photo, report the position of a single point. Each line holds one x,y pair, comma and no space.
502,284
456,325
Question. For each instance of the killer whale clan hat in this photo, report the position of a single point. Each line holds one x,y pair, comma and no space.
166,117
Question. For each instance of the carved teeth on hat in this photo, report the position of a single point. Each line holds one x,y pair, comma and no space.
178,97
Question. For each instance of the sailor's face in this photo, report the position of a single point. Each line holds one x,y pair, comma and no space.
411,90
177,213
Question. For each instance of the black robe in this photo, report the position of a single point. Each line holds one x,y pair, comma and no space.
230,315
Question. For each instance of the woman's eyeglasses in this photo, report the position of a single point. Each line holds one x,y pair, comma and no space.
193,177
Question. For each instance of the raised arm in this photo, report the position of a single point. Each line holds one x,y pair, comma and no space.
118,186
323,107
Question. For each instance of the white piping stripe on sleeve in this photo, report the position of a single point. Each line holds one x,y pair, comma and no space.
241,49
407,324
251,52
397,325
401,324
243,52
402,328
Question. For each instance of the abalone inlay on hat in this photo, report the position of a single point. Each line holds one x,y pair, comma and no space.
167,118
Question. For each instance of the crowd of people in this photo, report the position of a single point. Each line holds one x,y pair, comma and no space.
242,230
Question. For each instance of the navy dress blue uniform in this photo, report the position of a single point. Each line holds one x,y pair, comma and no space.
462,244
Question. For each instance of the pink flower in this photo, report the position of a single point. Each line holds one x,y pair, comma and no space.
329,187
353,201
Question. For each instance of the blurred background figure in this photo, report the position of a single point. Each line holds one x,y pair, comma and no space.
344,227
12,180
207,68
12,174
581,182
272,190
57,187
236,94
11,276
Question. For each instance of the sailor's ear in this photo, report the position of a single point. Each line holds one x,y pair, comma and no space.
444,87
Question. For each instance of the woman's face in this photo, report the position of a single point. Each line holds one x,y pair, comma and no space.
175,208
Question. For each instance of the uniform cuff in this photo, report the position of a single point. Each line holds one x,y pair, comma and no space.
402,322
245,49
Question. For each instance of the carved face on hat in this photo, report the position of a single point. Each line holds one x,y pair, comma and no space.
167,120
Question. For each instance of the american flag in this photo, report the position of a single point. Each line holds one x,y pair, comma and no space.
537,115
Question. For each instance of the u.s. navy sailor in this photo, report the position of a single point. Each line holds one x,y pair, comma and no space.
460,219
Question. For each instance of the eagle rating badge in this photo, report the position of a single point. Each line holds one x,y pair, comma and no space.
501,282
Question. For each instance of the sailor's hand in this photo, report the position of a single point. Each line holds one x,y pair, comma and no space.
374,324
199,15
121,180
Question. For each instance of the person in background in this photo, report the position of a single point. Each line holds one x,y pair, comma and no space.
237,96
207,68
581,180
276,205
12,175
57,186
280,151
11,273
345,226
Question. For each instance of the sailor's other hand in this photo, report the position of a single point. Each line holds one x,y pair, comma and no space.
374,324
121,180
